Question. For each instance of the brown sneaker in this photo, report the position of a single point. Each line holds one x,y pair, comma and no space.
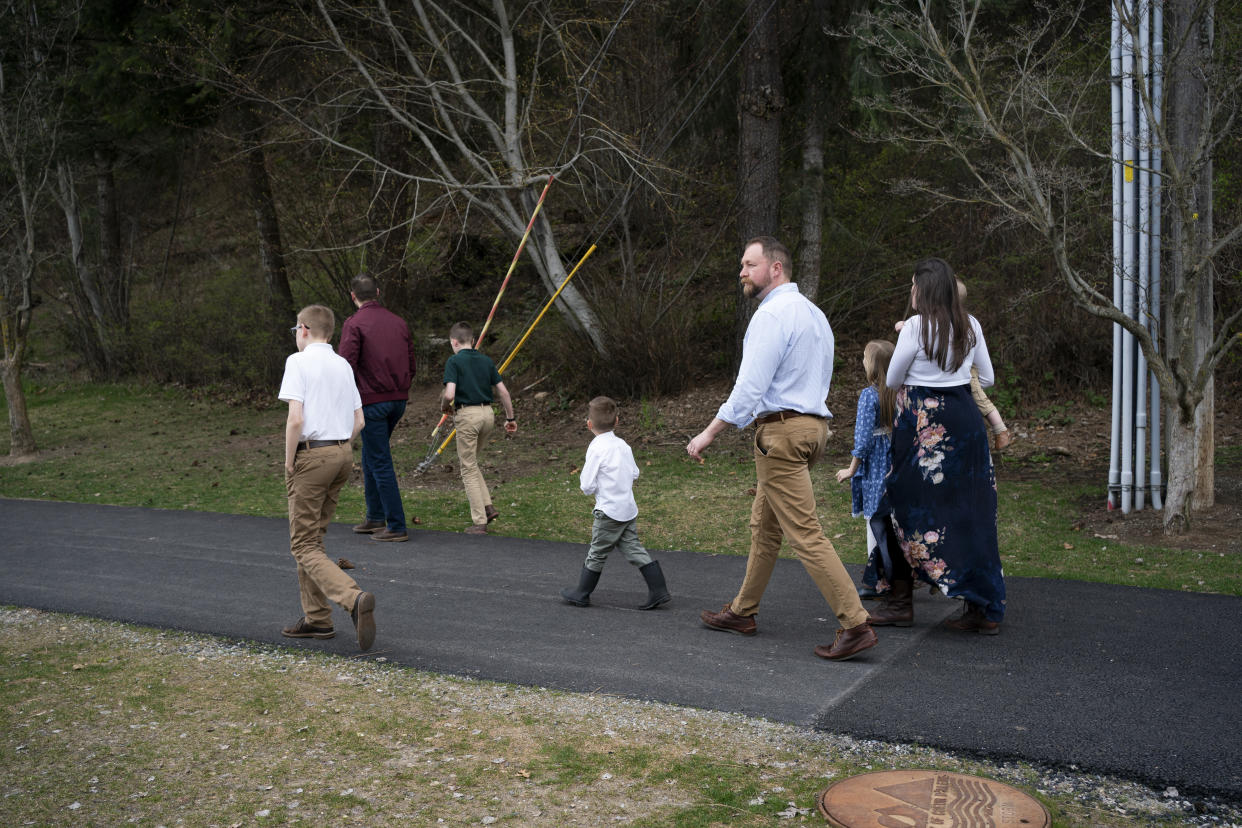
848,643
387,535
363,615
304,629
729,621
476,529
971,619
491,512
369,526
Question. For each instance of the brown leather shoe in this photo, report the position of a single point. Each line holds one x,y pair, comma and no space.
476,529
896,609
729,621
491,512
304,629
363,615
971,619
388,535
848,643
369,526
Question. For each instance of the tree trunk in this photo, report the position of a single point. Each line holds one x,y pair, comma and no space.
77,242
811,245
21,436
1189,330
113,281
259,190
760,103
96,340
1179,491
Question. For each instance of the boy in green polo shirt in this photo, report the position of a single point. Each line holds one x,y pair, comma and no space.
470,378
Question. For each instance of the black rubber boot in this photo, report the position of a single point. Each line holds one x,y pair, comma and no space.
657,590
581,596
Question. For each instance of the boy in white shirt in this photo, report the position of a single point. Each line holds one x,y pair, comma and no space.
325,415
609,473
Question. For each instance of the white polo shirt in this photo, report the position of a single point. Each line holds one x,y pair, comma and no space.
323,382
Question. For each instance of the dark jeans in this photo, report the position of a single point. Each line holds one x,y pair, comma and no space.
378,476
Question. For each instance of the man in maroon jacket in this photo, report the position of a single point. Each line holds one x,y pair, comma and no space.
377,343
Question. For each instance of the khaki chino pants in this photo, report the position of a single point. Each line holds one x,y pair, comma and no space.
784,506
313,489
474,425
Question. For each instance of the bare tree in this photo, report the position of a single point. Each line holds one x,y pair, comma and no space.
484,97
31,53
1021,105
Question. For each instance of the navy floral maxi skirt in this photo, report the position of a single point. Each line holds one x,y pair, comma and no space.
943,492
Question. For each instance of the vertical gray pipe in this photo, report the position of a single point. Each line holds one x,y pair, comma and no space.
1129,259
1114,452
1142,310
1153,320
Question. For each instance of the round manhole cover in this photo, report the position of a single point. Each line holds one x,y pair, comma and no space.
928,799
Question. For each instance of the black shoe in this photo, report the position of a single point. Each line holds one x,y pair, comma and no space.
657,590
363,615
581,595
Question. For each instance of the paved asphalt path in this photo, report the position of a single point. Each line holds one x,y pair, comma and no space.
1136,682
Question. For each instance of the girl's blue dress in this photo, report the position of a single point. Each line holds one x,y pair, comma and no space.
868,490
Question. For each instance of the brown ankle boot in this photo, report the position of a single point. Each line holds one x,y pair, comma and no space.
971,619
848,643
896,609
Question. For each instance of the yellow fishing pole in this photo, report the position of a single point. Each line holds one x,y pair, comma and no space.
427,463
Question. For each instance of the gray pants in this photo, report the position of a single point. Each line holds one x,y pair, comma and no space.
607,534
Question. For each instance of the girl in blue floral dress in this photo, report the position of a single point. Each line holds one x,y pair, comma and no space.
868,467
942,484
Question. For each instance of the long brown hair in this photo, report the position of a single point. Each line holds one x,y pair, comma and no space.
876,355
946,332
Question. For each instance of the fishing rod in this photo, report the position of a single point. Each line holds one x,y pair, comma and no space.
435,453
478,342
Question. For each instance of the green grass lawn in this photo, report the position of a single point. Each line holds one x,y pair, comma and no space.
162,448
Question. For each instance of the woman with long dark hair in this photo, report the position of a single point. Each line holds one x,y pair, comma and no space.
942,484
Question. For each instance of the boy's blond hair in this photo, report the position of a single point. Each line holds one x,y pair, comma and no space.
319,320
463,333
602,411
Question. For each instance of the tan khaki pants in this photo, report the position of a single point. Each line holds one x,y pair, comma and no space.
474,425
313,489
784,506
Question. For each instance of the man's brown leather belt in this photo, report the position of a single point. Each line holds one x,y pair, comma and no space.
310,444
779,417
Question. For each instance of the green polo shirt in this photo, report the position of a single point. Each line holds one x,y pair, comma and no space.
475,374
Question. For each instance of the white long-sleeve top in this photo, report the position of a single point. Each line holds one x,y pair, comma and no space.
786,360
911,365
609,473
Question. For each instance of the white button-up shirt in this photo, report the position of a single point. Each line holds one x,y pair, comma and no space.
786,360
609,473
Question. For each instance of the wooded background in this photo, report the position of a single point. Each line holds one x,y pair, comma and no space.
179,178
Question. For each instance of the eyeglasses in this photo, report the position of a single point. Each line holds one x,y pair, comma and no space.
294,329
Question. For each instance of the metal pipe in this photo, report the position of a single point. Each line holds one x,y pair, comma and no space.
1153,320
1128,260
1114,453
1142,312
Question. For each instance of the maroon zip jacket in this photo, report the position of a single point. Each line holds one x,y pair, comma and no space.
377,343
